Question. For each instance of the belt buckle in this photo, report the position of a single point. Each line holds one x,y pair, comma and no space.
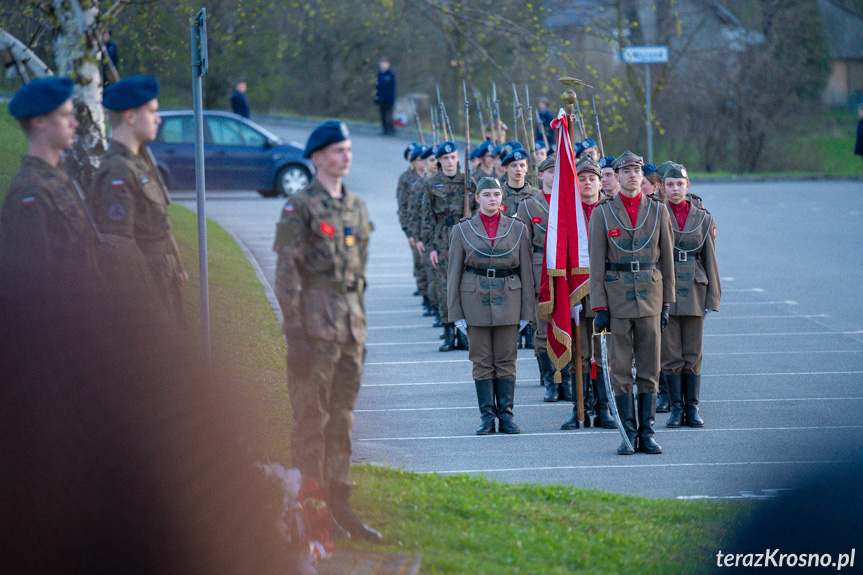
490,273
682,256
635,266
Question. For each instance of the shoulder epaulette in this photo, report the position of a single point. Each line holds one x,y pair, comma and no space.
604,200
464,219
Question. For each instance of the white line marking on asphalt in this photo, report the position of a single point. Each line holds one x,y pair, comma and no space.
711,320
745,290
777,302
378,276
393,286
728,279
607,431
639,465
765,494
460,382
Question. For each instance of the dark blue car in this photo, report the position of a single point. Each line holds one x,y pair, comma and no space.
238,155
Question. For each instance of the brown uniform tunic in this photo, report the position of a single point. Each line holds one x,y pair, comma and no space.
634,296
322,246
491,302
698,288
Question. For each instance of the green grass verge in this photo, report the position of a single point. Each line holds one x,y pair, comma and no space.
13,145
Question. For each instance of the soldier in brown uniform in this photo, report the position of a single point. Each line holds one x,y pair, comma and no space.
698,292
595,395
631,290
533,211
129,198
322,243
46,238
491,297
444,202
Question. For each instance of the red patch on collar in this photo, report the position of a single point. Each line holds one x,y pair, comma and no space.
536,220
714,232
327,229
614,233
503,208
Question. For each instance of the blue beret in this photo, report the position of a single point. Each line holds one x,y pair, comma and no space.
606,161
409,150
649,169
418,152
588,143
328,133
496,150
514,156
515,145
472,155
484,148
445,148
40,96
428,152
130,93
540,145
578,149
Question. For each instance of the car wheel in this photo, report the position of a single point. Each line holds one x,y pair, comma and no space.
291,179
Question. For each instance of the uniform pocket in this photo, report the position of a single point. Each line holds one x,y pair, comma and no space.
513,282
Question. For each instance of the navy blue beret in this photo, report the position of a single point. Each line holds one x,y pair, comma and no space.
588,143
428,152
409,150
496,150
328,133
540,145
515,145
484,148
514,156
130,93
472,154
649,169
445,148
606,161
578,149
40,96
418,152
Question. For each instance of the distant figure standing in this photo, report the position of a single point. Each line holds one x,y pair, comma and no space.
239,100
111,51
858,147
386,96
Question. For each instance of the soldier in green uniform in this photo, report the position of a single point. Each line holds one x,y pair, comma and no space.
444,205
418,214
491,297
485,169
322,242
698,293
631,291
129,198
46,238
403,197
608,177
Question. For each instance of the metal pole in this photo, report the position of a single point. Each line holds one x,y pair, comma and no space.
199,68
649,130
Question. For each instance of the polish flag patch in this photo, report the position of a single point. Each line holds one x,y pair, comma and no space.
28,201
117,183
614,233
289,208
327,229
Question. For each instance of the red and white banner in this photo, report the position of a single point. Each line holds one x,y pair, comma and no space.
565,273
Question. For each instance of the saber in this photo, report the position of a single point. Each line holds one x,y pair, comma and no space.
612,405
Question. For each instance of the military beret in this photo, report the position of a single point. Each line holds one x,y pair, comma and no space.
539,145
577,149
418,152
328,133
428,152
445,148
484,148
627,158
588,164
676,171
409,150
649,169
514,145
547,163
660,169
514,156
40,96
588,143
488,183
606,161
472,154
130,92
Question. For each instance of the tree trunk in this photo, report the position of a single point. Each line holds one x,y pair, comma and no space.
77,59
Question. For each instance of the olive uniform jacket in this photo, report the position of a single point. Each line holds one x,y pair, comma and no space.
416,197
403,196
533,211
643,287
696,273
512,198
444,207
322,245
479,295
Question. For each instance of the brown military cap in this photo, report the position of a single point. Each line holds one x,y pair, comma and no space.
547,163
588,164
627,158
676,171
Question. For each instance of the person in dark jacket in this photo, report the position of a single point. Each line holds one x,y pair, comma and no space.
386,96
239,100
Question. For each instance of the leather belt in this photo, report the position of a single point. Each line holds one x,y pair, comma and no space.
538,249
492,272
682,256
633,267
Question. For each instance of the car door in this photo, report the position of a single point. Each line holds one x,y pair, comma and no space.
174,147
237,155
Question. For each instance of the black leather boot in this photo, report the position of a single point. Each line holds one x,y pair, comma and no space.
626,409
437,320
546,375
662,403
460,340
339,503
504,393
675,395
487,410
449,337
572,422
589,396
528,337
427,307
646,416
603,418
691,384
566,387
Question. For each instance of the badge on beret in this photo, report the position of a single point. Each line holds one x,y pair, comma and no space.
350,241
327,229
614,233
536,220
116,212
447,149
344,129
683,173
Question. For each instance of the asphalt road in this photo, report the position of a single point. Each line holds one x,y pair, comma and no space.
782,386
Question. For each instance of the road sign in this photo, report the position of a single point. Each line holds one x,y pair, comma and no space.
645,55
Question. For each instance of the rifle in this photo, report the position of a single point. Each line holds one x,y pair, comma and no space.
532,137
433,114
447,129
542,128
514,113
517,106
598,132
479,113
496,111
417,119
467,213
580,121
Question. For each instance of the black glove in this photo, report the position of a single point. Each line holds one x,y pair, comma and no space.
299,352
601,321
663,318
